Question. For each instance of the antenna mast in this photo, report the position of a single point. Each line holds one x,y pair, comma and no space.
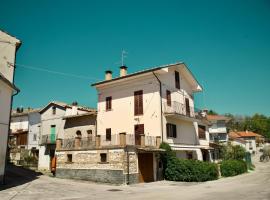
123,56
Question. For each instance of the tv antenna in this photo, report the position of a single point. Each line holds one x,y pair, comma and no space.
123,56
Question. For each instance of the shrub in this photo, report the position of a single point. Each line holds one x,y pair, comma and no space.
233,152
232,167
167,155
190,170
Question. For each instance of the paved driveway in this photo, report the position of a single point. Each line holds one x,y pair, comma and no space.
253,186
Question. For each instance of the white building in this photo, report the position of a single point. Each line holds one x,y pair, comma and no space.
25,131
52,126
218,129
246,139
154,102
8,48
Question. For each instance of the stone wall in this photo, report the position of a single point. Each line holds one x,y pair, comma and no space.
87,165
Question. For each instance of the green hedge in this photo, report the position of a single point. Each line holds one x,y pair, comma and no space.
190,170
232,167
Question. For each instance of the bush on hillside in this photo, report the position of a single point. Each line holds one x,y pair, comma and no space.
190,170
232,167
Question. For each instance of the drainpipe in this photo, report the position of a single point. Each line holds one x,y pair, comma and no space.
161,110
127,165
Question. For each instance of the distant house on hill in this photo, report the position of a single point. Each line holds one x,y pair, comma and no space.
247,139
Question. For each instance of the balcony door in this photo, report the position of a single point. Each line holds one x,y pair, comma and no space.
187,107
139,130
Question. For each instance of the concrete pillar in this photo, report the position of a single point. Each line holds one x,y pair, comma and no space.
158,141
77,142
123,140
98,141
58,143
142,137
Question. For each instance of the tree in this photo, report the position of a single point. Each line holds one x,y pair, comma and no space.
212,112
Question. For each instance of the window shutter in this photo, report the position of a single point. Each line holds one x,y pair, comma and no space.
168,95
108,134
138,102
177,79
168,130
108,103
174,131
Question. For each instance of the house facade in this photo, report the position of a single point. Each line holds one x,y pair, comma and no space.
24,135
218,130
136,112
9,46
52,125
246,139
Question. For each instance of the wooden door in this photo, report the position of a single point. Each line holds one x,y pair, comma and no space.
187,107
146,171
52,136
139,129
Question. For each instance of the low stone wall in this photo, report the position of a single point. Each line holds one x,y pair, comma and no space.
86,165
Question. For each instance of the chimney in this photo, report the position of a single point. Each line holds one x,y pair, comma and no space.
108,75
74,108
123,71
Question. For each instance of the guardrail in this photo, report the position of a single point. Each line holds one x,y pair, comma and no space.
47,139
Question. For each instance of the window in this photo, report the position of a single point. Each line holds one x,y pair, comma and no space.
177,79
171,130
189,155
78,133
168,96
202,132
108,103
103,157
138,102
53,110
108,134
139,130
69,158
35,137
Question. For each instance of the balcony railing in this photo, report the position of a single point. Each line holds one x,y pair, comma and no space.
101,141
179,108
47,139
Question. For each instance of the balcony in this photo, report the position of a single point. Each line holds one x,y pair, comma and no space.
47,139
177,108
100,141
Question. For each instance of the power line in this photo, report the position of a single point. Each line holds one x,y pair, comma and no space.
55,72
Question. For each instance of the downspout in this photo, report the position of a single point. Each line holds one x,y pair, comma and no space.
127,165
161,110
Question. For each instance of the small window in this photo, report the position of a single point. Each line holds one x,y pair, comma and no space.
108,103
202,130
53,110
69,158
138,102
189,155
103,157
171,130
78,133
177,79
168,96
108,134
35,137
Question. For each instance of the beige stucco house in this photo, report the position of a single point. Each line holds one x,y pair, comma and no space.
135,113
8,46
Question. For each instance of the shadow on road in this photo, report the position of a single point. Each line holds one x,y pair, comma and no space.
16,175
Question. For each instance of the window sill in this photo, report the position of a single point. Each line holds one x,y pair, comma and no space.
69,162
138,115
103,162
108,110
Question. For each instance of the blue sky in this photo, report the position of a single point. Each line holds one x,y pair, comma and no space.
225,43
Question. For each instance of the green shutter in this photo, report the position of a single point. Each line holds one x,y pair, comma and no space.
52,136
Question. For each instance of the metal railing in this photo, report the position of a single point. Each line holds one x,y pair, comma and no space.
47,139
179,108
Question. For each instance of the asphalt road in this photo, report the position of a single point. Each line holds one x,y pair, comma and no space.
251,186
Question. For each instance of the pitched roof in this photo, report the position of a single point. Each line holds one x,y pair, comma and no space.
217,117
242,134
11,85
152,69
80,115
65,105
10,39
